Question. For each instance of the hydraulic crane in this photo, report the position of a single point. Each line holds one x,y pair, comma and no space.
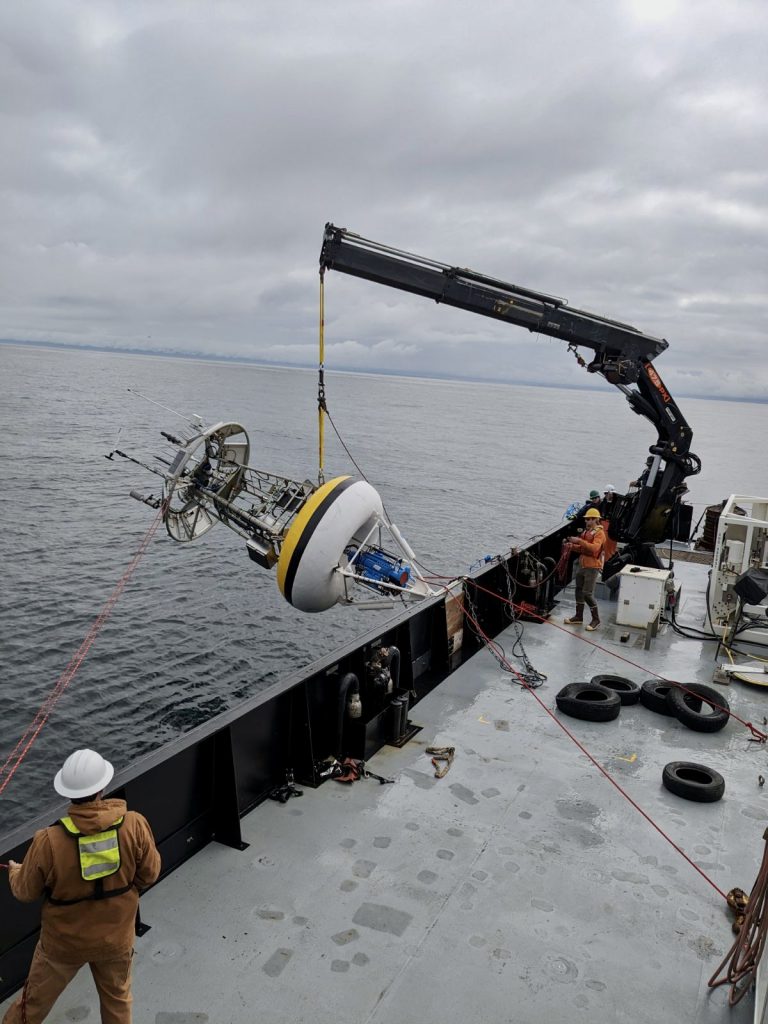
622,354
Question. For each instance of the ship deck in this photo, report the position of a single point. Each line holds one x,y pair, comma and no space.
521,887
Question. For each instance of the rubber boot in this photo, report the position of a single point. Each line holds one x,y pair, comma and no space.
576,619
595,621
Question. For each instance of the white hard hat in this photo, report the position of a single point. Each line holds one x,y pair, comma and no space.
84,773
610,487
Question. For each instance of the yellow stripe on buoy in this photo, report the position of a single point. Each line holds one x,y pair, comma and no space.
301,530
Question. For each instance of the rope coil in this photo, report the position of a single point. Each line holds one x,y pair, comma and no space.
741,960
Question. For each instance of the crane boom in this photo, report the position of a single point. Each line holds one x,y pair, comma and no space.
456,286
622,354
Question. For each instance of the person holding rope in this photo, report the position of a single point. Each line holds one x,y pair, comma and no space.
89,868
591,549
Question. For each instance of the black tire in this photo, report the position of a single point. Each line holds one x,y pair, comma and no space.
629,692
699,707
693,781
653,695
588,702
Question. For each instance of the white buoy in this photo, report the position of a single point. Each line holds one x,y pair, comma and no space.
340,513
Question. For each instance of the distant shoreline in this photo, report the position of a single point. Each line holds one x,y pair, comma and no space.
245,361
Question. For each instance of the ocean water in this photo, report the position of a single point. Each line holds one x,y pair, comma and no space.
465,469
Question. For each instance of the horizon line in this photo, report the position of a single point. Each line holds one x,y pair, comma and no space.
422,375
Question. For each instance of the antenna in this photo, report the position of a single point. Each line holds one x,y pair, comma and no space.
194,418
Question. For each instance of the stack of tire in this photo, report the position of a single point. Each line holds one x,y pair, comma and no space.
599,700
699,707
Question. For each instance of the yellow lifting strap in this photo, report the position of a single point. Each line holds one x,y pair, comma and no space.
321,386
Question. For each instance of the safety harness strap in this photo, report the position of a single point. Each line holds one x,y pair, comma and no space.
99,893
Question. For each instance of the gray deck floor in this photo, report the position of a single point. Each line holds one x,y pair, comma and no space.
522,887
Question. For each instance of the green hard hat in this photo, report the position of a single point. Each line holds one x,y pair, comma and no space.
594,494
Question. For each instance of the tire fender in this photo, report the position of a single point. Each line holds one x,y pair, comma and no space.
629,692
653,695
693,781
688,706
588,702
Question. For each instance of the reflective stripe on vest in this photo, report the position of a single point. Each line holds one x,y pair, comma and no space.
99,853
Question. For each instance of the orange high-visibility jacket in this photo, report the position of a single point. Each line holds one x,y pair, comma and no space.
591,547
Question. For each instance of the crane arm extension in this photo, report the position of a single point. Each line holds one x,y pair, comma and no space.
611,340
622,355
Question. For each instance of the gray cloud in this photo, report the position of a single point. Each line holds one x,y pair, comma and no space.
168,168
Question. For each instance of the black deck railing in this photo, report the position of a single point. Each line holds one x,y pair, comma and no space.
196,789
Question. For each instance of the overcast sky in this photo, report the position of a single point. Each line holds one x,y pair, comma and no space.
166,170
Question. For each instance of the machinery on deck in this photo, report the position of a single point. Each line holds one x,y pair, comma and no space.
654,511
737,597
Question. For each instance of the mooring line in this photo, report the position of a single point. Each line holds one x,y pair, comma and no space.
24,744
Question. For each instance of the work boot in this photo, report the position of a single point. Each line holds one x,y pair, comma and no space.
595,621
576,619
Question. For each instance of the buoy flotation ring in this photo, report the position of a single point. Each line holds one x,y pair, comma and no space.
340,512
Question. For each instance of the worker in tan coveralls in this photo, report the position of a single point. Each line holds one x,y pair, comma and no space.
89,867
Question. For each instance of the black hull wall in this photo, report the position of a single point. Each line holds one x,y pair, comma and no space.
195,790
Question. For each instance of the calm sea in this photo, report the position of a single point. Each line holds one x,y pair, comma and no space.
465,470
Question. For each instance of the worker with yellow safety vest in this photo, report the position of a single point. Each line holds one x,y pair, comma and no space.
89,868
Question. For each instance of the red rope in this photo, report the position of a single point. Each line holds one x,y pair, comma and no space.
586,753
20,751
562,565
742,959
761,736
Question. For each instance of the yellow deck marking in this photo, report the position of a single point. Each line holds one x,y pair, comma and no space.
629,760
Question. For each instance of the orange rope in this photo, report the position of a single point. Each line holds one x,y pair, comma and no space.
20,751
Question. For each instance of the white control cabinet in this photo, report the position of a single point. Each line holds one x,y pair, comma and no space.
642,594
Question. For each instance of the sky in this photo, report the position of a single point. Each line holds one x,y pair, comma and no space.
167,168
